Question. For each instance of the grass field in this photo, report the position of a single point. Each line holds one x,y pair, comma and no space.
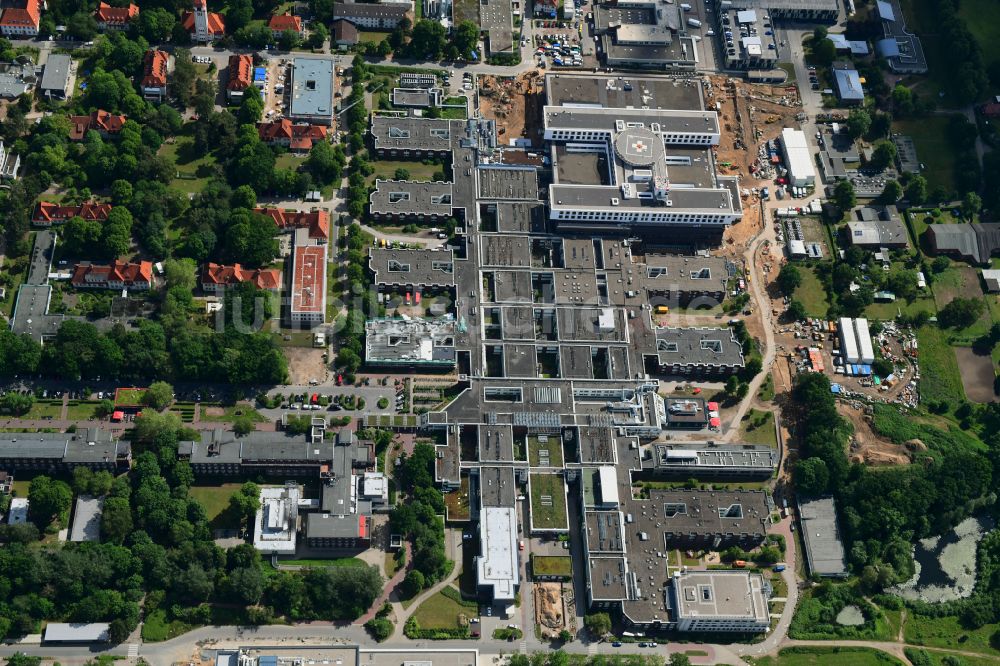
961,280
947,632
939,375
986,30
80,410
288,161
811,293
230,413
828,656
387,169
192,171
553,446
442,610
758,428
372,36
930,136
156,628
889,311
215,499
44,409
457,501
548,516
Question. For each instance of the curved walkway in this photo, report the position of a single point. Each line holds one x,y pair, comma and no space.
390,586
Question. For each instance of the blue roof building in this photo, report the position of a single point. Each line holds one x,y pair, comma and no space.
848,82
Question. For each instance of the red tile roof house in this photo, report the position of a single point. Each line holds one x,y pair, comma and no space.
317,221
217,277
47,214
154,80
282,22
297,138
102,122
240,76
119,275
115,18
21,19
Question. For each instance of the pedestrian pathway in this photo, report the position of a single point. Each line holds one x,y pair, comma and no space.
133,650
396,579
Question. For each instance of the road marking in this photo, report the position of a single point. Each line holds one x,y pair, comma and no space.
524,647
133,650
591,649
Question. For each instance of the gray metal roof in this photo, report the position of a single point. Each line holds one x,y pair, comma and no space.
411,133
821,537
77,632
698,347
55,76
86,445
312,88
406,197
416,267
669,121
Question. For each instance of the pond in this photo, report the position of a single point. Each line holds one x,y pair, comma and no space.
945,566
850,616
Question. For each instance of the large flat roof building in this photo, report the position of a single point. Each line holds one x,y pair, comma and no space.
94,448
412,268
406,199
275,522
644,33
618,167
720,601
801,172
700,351
312,91
821,537
411,137
421,343
497,569
715,461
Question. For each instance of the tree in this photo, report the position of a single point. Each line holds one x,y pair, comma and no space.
116,520
961,312
156,24
252,106
413,583
733,386
288,40
152,425
379,628
823,52
858,123
811,476
940,264
181,84
598,624
401,174
465,38
843,195
428,40
48,500
359,69
796,310
883,154
891,193
247,584
246,501
971,205
243,425
916,190
16,403
789,279
679,659
159,395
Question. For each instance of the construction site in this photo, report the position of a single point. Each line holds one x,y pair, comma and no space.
515,103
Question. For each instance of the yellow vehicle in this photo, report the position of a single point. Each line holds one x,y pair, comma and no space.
662,309
381,242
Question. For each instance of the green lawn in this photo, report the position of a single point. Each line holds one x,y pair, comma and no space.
551,515
454,114
442,611
811,293
288,161
947,632
939,375
192,171
230,413
215,499
930,136
553,446
372,36
986,30
889,311
962,280
457,502
45,409
80,410
332,562
758,428
156,628
386,169
828,656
